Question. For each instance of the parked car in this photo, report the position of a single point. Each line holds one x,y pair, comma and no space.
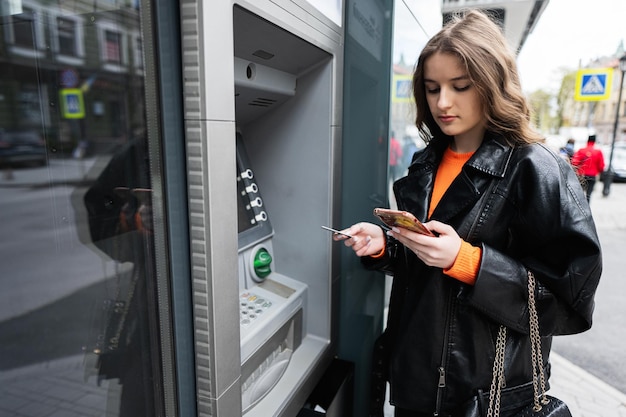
619,162
21,147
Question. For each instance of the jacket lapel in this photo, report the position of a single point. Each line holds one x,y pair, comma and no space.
413,192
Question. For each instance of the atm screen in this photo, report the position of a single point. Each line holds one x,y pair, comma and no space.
253,224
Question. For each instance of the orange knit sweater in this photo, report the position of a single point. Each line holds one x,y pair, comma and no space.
467,262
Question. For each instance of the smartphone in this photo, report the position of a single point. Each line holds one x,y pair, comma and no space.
330,229
397,218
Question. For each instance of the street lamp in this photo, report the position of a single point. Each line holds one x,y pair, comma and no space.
608,179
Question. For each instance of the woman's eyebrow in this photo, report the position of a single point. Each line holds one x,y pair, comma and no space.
459,78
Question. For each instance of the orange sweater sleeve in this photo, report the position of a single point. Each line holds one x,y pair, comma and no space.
466,265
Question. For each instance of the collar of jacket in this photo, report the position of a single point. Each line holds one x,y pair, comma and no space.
489,162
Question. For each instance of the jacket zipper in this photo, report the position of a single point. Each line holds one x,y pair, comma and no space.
441,385
442,370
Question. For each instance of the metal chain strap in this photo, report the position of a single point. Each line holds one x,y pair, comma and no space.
535,344
499,381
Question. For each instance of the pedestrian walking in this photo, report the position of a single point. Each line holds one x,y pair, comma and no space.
589,163
567,151
395,157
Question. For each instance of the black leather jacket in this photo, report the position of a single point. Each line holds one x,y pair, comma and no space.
525,207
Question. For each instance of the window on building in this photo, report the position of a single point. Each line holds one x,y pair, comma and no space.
24,29
138,53
67,33
112,46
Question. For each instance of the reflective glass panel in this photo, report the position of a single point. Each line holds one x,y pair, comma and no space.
414,23
78,322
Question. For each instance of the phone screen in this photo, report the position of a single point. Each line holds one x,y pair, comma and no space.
404,219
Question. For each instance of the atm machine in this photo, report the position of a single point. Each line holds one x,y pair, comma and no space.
262,121
284,102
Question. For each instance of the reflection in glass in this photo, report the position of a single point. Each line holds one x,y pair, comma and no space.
67,32
77,306
414,23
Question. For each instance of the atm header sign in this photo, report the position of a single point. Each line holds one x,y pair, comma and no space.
593,84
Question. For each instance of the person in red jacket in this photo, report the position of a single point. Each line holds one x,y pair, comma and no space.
395,157
589,162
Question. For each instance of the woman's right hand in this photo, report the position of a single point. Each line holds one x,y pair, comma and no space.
367,238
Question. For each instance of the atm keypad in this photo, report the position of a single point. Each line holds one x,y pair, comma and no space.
251,307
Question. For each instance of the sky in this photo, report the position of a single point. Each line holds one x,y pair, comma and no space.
569,33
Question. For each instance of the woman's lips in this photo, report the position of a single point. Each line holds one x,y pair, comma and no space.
446,119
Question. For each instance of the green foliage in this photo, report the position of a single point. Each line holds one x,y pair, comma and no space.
548,107
540,103
565,95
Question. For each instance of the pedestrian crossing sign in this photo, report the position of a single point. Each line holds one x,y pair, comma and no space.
402,91
72,104
593,84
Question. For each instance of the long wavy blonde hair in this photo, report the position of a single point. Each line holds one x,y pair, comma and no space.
479,44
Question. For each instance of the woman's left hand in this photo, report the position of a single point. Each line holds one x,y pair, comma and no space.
440,251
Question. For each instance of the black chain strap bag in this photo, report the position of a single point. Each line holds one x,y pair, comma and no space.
543,405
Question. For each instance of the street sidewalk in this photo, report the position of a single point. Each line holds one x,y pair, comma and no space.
586,395
58,172
609,212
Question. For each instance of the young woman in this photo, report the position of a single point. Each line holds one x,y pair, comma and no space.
501,204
